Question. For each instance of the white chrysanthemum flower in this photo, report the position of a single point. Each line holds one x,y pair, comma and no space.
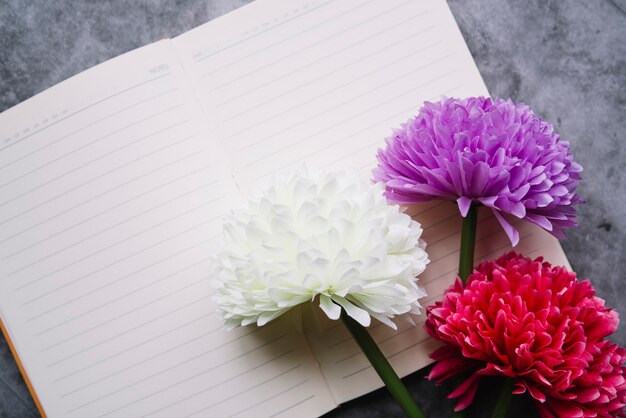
319,233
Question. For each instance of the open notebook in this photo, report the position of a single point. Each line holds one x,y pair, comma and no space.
113,183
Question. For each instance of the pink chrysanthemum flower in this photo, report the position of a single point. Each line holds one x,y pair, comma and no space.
535,324
491,152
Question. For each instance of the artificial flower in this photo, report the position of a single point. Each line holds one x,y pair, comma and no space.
534,323
477,150
319,234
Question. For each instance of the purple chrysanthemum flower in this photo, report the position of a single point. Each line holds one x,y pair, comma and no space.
496,153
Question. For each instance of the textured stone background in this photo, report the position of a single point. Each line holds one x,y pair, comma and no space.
566,59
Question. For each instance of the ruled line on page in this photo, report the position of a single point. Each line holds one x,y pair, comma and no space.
122,315
441,221
371,329
108,247
340,342
85,108
186,379
374,328
230,397
316,61
379,342
212,183
456,250
426,302
527,254
450,211
478,259
349,337
28,302
420,341
151,227
84,350
103,175
169,350
120,297
292,406
503,247
436,204
377,124
82,128
336,324
282,392
87,163
335,89
145,360
352,135
434,279
317,42
245,391
124,277
142,343
254,387
433,207
300,140
285,39
274,171
410,327
309,82
307,65
160,186
115,225
261,32
351,99
442,237
292,144
342,140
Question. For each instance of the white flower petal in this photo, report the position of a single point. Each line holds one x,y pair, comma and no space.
359,315
322,233
330,308
385,320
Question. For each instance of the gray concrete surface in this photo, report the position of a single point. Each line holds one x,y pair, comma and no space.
565,58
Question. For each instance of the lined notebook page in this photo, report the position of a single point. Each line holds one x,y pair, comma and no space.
346,368
111,195
322,81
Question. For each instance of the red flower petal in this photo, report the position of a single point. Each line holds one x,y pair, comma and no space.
527,320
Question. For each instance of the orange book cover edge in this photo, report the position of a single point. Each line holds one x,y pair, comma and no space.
21,367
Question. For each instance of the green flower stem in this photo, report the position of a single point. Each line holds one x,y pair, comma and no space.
466,261
468,239
382,367
504,400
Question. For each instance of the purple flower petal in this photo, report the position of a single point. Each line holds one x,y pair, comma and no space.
464,205
494,152
510,230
